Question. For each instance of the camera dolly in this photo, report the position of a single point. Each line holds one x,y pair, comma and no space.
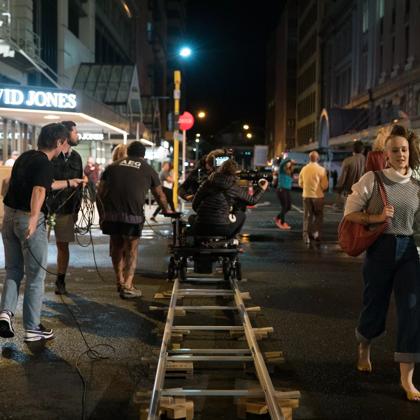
203,251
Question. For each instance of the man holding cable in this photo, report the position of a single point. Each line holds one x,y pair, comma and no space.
24,232
65,204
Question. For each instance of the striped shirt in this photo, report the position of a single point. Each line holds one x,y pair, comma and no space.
403,192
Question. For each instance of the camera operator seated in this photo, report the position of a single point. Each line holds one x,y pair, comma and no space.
218,201
205,166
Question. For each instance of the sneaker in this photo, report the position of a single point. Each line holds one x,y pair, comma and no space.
153,219
41,333
130,293
6,327
278,223
306,239
286,226
60,288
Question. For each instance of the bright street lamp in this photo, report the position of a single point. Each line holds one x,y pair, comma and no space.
245,127
185,52
248,135
201,115
198,135
197,140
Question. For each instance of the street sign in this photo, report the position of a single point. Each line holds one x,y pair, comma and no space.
185,121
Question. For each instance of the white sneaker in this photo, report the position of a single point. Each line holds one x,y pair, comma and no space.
41,333
6,327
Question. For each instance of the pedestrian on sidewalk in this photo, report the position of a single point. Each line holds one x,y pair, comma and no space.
166,179
24,232
392,262
284,186
65,204
314,181
121,197
352,169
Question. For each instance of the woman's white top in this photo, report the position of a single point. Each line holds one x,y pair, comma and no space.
403,193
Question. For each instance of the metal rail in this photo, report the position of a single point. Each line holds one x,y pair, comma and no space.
252,353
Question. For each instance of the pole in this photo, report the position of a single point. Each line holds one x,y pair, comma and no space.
184,153
177,96
196,152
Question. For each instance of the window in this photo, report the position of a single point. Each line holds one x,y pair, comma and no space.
394,15
407,8
381,8
407,43
365,12
381,59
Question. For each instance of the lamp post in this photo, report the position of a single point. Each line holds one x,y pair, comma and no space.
184,52
177,97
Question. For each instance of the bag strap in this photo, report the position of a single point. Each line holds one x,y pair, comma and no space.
382,190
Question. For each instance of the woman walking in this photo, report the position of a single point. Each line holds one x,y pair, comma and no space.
392,262
284,185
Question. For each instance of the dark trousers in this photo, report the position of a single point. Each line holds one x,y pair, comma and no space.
392,264
285,202
229,230
169,198
313,215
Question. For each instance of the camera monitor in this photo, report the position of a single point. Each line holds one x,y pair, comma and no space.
220,160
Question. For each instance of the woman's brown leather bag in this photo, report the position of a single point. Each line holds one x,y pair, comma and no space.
355,238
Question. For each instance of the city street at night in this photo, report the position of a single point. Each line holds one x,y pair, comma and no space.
310,295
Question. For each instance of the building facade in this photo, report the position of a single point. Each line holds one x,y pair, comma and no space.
358,69
112,54
281,84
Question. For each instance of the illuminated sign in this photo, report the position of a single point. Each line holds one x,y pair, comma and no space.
92,136
33,98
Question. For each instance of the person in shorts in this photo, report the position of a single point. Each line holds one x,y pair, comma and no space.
65,204
121,197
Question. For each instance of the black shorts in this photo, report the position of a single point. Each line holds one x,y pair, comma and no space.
122,229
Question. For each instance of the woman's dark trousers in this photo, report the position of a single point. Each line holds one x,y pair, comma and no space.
286,203
392,264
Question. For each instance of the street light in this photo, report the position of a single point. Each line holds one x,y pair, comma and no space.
248,135
201,115
197,135
245,127
185,52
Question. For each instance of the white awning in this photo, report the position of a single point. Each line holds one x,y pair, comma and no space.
84,122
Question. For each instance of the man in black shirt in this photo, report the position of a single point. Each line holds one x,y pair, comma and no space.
66,203
121,197
24,232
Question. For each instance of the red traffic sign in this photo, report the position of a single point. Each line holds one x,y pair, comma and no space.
185,121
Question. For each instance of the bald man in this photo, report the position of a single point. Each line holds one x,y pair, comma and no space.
314,181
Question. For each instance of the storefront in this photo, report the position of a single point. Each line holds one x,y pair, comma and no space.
24,110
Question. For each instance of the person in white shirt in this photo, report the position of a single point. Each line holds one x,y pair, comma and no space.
392,261
314,181
12,159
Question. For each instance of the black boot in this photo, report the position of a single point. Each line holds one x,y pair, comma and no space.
60,285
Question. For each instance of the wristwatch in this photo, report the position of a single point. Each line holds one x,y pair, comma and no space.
68,183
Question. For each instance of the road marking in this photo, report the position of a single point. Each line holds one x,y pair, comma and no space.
297,208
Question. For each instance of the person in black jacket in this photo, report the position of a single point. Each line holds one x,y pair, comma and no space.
204,168
218,201
66,203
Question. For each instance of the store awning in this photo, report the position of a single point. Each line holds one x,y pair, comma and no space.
84,122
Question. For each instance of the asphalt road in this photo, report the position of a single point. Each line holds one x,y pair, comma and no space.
310,295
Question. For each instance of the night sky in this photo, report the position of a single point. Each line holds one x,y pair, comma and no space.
226,76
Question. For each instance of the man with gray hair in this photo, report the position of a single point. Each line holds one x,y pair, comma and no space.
314,181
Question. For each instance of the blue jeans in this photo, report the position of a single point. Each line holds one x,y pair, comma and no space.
392,264
20,261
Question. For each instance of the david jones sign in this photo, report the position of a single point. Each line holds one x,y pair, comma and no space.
31,98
